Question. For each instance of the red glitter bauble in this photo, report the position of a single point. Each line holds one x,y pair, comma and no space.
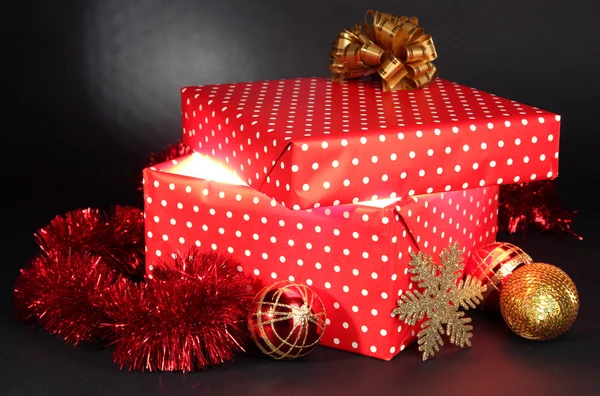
492,264
287,320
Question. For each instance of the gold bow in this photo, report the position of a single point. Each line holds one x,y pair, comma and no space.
395,47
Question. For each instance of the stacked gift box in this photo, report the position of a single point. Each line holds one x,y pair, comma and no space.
334,185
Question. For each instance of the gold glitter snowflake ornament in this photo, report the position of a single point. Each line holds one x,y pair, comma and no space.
440,299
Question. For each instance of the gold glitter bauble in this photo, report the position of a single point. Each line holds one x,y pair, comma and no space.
492,264
539,302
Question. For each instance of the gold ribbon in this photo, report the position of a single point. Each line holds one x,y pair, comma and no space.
395,47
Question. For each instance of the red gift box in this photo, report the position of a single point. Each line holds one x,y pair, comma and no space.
354,256
333,186
310,142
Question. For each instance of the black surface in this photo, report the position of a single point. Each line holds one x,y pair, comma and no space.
498,363
91,88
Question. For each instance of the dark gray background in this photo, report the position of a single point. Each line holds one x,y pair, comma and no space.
91,88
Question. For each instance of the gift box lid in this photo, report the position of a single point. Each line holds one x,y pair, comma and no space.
310,142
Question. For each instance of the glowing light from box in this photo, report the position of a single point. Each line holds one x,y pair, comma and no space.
380,203
203,167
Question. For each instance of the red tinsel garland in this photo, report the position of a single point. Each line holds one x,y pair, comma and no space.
170,152
58,292
189,315
533,207
117,238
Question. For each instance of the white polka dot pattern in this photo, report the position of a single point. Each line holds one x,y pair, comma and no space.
309,142
355,256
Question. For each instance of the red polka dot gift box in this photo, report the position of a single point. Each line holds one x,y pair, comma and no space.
311,142
354,256
334,185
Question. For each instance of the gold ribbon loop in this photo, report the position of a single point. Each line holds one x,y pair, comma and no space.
392,71
371,54
427,43
352,58
362,36
417,69
410,83
412,54
395,47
